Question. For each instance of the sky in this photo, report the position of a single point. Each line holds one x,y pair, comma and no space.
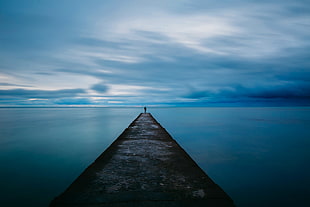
154,53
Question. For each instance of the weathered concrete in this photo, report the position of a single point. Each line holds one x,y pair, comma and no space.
144,166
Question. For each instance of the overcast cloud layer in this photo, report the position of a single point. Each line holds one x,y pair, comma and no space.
164,52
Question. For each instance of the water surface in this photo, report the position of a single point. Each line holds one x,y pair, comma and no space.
259,156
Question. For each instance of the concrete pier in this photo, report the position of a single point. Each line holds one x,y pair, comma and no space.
145,167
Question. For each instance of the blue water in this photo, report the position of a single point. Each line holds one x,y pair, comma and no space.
259,156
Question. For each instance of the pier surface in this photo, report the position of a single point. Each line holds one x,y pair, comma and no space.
144,166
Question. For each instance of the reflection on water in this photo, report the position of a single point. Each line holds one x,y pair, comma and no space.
259,156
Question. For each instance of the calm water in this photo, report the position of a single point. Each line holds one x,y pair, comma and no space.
259,156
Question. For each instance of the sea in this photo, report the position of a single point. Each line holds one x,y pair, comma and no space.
259,156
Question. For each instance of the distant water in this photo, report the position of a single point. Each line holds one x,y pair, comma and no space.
259,156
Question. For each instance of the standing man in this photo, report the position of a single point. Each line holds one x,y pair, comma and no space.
144,109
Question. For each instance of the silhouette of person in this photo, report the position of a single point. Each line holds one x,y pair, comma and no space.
144,109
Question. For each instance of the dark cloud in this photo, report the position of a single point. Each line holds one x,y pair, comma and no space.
239,93
100,88
287,92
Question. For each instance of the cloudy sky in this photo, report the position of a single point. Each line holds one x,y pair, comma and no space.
163,52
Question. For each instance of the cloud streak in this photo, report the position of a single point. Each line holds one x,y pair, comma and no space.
138,52
41,94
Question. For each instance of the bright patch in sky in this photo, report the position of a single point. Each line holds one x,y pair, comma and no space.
193,53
